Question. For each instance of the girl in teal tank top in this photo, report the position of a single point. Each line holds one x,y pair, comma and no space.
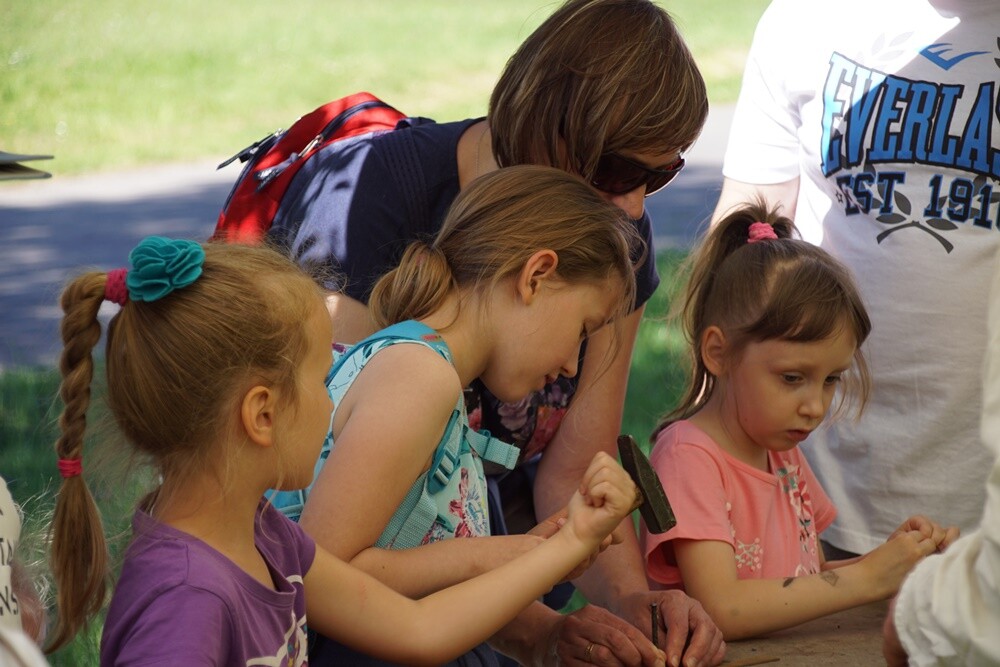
529,262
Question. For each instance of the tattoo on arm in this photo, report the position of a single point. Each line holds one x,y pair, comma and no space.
830,577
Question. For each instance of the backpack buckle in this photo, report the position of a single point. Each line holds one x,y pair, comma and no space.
259,146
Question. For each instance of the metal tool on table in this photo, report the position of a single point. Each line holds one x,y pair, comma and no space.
654,617
654,507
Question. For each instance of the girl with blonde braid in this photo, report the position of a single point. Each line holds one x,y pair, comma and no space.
216,370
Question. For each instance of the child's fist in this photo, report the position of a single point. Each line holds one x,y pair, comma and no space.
941,536
606,495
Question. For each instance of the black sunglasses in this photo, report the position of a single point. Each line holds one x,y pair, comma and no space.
617,175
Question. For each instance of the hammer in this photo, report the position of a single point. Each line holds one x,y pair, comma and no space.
654,506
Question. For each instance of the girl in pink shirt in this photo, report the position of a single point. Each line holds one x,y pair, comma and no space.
775,326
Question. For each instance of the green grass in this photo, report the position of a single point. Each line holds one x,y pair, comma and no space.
28,409
113,84
658,372
29,412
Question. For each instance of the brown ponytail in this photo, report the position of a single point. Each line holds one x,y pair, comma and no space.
415,288
494,226
79,550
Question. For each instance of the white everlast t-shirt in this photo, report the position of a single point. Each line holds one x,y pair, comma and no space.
887,112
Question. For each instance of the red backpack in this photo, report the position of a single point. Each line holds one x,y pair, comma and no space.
274,160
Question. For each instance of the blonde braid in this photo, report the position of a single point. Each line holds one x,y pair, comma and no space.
79,550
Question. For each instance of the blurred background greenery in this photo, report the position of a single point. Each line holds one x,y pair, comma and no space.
115,84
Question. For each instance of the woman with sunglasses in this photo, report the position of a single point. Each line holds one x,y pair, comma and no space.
607,90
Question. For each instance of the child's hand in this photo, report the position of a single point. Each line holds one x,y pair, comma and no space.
889,564
606,495
942,537
551,525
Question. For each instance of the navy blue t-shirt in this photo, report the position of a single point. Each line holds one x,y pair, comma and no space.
352,210
354,207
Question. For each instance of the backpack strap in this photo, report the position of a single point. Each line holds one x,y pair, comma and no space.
274,160
492,449
417,512
485,445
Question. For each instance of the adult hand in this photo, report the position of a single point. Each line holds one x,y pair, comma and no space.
687,633
892,648
594,636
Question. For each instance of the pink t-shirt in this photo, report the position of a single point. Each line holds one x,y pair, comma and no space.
771,519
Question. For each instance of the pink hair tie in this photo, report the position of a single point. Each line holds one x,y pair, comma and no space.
70,467
761,231
115,290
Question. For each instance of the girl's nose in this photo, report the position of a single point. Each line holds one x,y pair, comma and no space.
632,202
571,365
813,405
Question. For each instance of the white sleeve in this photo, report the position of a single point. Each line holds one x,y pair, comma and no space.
16,648
763,143
948,611
10,533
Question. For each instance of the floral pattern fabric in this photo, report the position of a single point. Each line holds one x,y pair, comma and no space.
529,424
466,515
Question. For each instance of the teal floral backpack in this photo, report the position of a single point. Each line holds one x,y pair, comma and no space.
449,499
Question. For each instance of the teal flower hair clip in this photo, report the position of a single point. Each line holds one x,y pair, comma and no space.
161,265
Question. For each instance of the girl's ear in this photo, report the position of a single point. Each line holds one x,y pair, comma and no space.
713,350
257,412
539,267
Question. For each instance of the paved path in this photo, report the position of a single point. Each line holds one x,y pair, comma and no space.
50,229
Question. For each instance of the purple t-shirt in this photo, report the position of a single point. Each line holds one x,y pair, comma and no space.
181,602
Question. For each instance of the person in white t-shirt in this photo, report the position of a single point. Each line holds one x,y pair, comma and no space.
875,126
948,610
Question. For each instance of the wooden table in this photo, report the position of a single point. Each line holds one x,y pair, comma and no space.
851,638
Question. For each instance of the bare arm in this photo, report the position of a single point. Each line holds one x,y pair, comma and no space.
371,617
750,607
386,434
591,425
735,193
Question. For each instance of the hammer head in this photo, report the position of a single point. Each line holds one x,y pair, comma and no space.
655,508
